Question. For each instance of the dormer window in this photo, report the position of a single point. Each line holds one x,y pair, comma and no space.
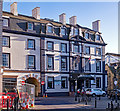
5,22
98,37
75,31
63,32
50,29
30,26
87,35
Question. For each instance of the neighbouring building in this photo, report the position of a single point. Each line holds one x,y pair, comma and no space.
112,62
0,45
39,50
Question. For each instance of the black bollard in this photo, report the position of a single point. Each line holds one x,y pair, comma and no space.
15,104
85,101
111,105
95,102
78,99
108,105
75,98
7,104
117,105
99,97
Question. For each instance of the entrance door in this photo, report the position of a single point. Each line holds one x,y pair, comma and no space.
34,82
80,84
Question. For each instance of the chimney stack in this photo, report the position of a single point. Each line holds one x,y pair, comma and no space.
13,8
36,13
62,18
96,25
73,20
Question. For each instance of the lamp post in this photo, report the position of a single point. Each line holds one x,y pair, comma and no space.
115,83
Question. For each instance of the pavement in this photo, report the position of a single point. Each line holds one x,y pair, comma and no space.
69,104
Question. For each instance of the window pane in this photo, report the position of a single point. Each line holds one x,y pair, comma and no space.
76,31
64,63
31,44
76,48
98,65
98,82
50,62
86,35
64,82
5,60
98,51
5,22
49,29
64,47
87,65
63,31
87,50
5,41
31,60
50,82
92,37
30,26
50,46
97,37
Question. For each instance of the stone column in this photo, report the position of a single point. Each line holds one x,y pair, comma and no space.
0,44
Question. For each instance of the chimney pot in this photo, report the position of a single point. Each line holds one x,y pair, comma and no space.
36,13
62,18
13,8
73,20
96,25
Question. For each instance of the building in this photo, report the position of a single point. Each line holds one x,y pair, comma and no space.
0,45
39,51
112,60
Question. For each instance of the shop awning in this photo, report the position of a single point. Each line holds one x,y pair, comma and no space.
86,77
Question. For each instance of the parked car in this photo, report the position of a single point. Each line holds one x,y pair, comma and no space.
112,93
95,92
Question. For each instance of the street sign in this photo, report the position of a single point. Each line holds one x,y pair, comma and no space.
42,82
115,82
23,82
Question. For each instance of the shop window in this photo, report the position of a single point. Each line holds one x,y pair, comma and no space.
50,83
64,83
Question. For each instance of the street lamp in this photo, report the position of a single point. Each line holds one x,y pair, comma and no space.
115,83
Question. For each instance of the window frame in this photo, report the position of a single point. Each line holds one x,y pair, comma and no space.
64,30
87,36
7,20
62,57
33,45
65,47
99,52
51,29
98,60
34,67
76,29
53,82
96,37
52,46
86,51
99,82
87,59
52,56
74,48
8,41
32,26
8,60
66,82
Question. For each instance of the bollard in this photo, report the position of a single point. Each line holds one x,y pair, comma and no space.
15,104
117,105
108,105
78,99
85,101
75,98
7,104
99,97
111,105
95,102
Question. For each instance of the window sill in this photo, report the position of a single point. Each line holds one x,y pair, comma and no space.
30,48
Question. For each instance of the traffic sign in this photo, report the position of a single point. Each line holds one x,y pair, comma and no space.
42,82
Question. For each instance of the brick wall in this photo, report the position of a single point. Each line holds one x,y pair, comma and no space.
0,43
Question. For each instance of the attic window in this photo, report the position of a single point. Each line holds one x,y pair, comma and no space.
5,22
30,26
63,31
75,31
87,35
97,37
50,29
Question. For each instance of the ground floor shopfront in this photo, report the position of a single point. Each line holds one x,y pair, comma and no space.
12,79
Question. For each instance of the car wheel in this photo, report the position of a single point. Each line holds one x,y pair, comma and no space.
103,94
93,95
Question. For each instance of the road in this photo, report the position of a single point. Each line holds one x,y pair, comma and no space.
69,103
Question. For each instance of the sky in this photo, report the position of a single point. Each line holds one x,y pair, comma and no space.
86,13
